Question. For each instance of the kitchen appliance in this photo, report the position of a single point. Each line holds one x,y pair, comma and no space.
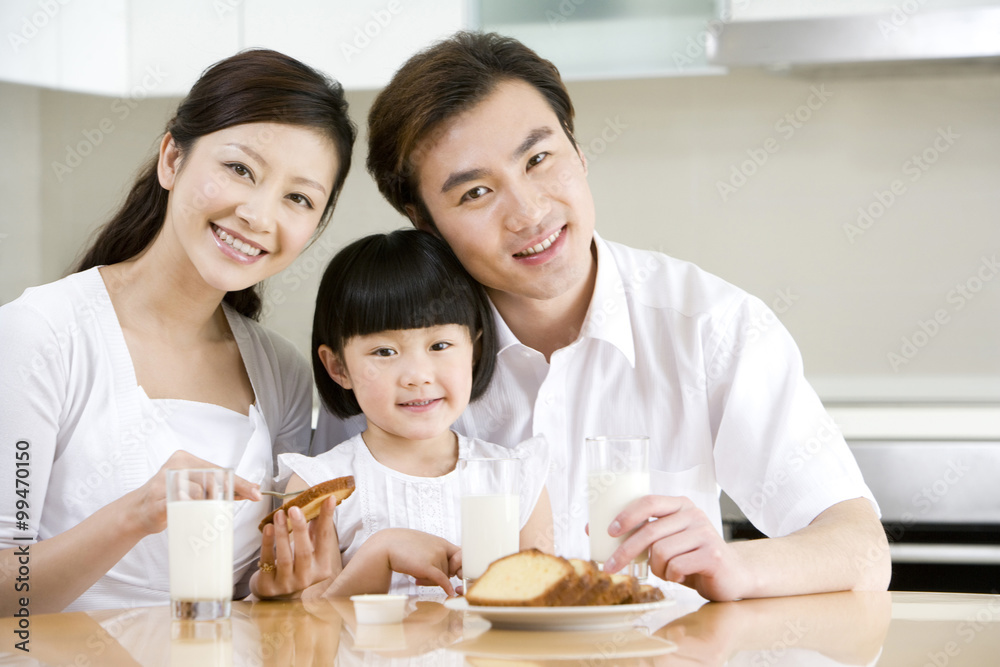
935,472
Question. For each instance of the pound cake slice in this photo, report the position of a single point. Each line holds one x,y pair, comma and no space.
310,500
529,578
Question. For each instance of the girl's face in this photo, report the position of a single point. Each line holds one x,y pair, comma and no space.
244,201
411,384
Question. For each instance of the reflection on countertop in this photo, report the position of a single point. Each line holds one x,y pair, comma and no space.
831,629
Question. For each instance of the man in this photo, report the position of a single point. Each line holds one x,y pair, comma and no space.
473,140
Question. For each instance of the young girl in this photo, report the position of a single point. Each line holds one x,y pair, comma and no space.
150,356
405,336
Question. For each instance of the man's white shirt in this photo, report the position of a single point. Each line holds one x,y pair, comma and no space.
702,368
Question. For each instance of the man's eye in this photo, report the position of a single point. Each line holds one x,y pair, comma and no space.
476,192
536,159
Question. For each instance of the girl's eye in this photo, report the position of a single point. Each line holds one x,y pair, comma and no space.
300,199
475,193
536,159
239,169
384,352
440,345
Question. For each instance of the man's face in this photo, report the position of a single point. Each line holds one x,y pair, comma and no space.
508,191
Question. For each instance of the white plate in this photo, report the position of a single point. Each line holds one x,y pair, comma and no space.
560,618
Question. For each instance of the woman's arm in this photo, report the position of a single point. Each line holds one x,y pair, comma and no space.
64,566
538,531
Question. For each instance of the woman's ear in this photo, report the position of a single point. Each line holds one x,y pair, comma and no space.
169,162
334,366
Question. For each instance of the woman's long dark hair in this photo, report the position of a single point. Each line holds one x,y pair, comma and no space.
254,86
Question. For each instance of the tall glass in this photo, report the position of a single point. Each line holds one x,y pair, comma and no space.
490,513
200,542
617,474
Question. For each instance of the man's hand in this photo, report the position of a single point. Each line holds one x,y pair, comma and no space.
683,547
843,548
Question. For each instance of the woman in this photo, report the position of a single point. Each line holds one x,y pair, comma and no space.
149,357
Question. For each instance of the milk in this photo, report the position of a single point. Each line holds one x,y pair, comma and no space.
200,546
489,531
608,493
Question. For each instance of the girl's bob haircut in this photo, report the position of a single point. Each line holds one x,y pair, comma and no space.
407,279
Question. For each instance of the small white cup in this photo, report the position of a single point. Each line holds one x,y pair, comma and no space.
375,609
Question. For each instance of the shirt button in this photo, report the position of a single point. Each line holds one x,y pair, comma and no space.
550,399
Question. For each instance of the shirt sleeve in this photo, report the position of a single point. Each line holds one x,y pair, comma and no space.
534,456
33,389
778,454
295,375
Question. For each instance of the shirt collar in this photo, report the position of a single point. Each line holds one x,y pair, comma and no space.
607,316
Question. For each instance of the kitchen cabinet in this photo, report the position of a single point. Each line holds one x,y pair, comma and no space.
143,48
591,40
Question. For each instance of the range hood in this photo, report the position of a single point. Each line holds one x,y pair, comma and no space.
920,35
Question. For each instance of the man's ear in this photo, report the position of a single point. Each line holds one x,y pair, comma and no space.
334,366
583,158
169,162
419,221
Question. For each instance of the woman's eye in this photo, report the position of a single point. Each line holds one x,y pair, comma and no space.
536,159
475,193
300,199
239,169
440,345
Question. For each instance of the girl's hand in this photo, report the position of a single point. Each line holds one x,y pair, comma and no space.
292,561
147,505
429,559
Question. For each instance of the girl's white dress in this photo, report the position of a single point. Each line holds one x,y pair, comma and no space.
387,498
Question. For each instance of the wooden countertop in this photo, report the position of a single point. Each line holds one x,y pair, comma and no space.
890,629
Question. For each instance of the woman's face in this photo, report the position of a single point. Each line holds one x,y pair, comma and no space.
244,201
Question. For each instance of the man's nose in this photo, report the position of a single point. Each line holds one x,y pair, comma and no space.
529,204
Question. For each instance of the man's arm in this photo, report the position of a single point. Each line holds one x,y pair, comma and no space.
844,548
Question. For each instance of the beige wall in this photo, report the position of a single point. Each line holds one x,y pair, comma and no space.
659,149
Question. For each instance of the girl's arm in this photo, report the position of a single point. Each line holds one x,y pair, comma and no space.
64,566
430,559
307,554
538,531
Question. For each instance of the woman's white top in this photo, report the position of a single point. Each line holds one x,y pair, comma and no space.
69,398
387,498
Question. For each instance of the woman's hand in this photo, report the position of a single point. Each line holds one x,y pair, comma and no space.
147,505
293,561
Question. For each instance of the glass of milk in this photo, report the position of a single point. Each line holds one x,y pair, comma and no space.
490,513
617,474
200,542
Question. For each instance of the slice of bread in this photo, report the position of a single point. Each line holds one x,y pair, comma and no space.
528,578
310,500
588,579
648,593
535,579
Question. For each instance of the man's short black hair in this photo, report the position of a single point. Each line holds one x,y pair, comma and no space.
407,279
